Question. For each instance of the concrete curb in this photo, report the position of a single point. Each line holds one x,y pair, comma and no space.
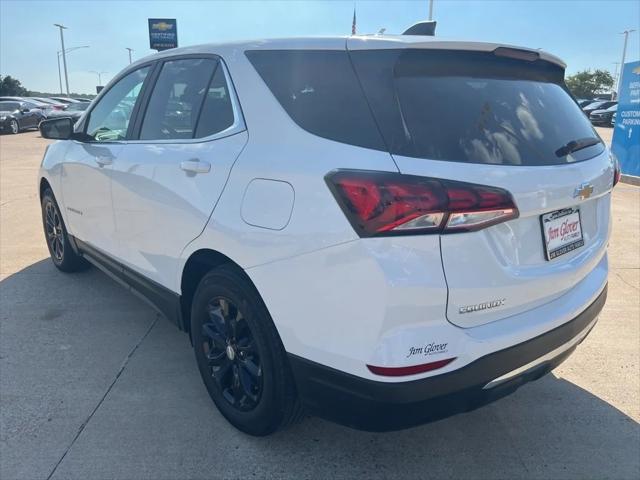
631,179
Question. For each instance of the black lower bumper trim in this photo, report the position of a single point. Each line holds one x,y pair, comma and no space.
381,406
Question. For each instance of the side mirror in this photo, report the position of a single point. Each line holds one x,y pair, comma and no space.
25,110
57,128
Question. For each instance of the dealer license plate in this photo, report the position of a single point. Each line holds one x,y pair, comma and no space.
562,231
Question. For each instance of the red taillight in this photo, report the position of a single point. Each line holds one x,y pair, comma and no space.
617,173
380,203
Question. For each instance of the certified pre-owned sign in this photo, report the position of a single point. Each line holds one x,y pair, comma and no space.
163,33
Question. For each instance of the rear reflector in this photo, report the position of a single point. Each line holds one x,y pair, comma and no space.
412,370
381,203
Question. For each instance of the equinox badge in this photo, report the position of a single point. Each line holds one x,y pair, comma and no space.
482,306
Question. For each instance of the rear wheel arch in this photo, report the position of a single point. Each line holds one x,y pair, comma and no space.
44,185
195,268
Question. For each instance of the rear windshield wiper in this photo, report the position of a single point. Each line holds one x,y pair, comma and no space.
575,145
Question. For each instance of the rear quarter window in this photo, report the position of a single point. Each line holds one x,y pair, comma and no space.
320,92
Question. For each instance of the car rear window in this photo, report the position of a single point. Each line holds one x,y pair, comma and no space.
474,107
320,92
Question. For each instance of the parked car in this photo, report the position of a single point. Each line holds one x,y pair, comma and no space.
603,117
73,110
583,102
64,100
86,100
599,105
17,116
30,103
300,221
54,104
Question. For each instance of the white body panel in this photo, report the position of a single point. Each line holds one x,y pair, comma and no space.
507,261
335,298
158,207
86,190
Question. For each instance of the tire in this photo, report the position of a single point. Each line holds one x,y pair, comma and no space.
55,233
241,359
14,127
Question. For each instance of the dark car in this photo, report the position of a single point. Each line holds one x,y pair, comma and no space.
583,102
598,105
65,100
17,116
48,101
603,117
73,111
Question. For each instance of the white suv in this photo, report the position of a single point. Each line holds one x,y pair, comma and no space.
383,230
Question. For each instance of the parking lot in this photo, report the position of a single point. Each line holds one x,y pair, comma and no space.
93,384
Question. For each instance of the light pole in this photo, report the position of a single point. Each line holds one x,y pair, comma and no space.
130,50
99,76
67,51
64,57
615,80
624,54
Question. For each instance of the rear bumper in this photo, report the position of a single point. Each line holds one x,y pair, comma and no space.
381,406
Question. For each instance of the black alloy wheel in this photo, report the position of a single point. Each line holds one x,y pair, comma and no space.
240,355
63,255
230,350
54,231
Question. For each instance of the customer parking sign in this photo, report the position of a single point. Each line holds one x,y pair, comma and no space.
626,136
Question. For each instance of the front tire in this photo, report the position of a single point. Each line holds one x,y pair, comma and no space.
55,232
14,127
240,356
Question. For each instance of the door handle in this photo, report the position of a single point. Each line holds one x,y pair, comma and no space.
103,161
195,166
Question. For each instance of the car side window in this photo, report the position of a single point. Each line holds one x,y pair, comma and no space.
190,100
109,119
217,110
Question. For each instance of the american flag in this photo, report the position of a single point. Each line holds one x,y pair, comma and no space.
353,24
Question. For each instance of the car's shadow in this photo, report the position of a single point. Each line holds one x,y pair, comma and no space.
79,349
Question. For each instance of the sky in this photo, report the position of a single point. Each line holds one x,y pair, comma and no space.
584,33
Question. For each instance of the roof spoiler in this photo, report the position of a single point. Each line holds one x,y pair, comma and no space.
428,27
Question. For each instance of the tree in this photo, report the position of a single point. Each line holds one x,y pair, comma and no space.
11,87
588,84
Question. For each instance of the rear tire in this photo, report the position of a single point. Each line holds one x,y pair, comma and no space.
241,359
57,238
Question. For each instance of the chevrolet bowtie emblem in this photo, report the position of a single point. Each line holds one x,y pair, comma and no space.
582,191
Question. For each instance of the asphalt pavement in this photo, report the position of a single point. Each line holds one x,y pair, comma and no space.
95,385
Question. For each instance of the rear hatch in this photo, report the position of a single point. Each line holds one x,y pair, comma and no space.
500,117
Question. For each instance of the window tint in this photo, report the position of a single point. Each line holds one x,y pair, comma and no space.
9,106
109,120
177,98
217,111
473,107
320,92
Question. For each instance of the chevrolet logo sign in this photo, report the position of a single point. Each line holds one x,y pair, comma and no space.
162,26
583,191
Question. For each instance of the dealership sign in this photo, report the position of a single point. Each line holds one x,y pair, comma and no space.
163,33
626,136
